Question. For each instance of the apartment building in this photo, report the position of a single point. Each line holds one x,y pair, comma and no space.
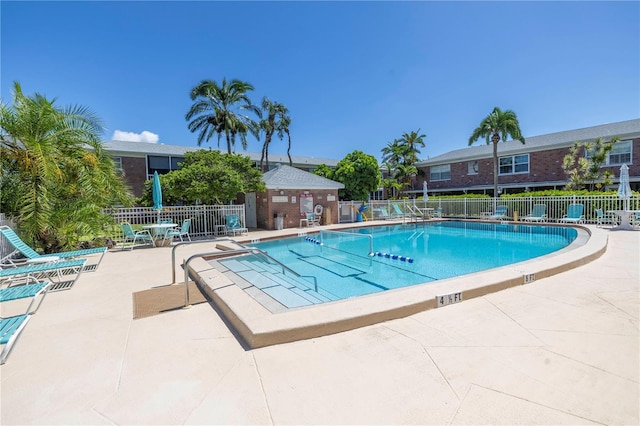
139,160
535,165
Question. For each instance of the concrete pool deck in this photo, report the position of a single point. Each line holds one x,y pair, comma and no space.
560,350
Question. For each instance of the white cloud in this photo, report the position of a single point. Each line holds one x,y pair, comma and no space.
145,136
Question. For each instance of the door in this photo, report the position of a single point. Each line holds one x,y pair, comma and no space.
250,209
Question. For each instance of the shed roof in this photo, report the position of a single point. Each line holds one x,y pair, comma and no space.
287,177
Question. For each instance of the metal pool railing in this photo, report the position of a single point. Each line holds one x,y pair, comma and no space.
248,250
324,232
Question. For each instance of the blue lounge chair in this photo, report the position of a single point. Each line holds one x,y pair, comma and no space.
500,213
574,214
21,247
36,291
233,225
384,214
131,236
398,211
10,329
180,232
62,270
538,214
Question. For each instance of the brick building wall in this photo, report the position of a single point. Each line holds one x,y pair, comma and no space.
135,173
544,166
267,208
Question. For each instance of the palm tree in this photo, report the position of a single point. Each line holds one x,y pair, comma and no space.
222,109
411,142
52,185
276,122
286,123
495,127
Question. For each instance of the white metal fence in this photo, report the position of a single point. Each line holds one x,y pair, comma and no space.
206,220
475,208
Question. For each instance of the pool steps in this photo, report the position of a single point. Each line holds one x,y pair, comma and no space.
288,290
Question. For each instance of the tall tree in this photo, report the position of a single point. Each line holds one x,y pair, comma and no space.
411,142
286,123
497,126
222,109
277,119
56,177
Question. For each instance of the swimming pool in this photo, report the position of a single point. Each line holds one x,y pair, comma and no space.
335,265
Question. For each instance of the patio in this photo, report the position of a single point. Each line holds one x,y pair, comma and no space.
560,350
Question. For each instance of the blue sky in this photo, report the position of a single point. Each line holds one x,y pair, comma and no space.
354,75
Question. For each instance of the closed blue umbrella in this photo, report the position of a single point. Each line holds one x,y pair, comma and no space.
624,189
157,194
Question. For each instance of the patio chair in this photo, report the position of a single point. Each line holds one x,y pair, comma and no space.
574,214
10,330
538,214
65,272
602,220
398,211
36,292
384,213
131,236
500,213
180,232
233,225
313,219
23,248
437,213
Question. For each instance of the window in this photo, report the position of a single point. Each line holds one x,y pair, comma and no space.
514,164
620,154
472,167
117,164
441,172
162,164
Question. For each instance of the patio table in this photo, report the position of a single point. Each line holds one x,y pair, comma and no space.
159,233
625,219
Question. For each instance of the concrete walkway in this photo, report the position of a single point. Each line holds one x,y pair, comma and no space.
561,350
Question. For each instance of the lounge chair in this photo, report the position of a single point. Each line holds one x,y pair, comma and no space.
233,225
574,214
538,214
180,232
437,213
21,247
384,214
131,236
398,211
10,329
602,220
36,291
500,213
61,270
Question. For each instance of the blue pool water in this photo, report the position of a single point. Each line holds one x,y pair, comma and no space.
368,260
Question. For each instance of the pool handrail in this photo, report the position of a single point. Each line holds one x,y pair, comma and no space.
181,243
252,250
